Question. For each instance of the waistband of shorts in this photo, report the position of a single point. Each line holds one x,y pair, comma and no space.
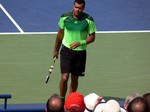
72,49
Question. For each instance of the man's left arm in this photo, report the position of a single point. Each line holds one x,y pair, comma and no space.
91,38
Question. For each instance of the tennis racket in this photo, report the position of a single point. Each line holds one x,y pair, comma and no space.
50,69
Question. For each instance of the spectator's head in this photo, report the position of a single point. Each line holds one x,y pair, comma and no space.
74,102
92,100
111,106
99,107
129,98
54,104
138,104
146,97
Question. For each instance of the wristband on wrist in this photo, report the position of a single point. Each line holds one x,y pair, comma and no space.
82,42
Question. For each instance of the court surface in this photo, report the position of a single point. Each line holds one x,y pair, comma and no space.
117,64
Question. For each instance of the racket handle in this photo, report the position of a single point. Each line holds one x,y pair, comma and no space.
47,78
54,58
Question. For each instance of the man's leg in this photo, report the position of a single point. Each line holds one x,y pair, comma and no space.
63,87
74,83
63,84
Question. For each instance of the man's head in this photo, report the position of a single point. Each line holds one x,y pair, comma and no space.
74,102
78,8
138,104
111,106
146,97
92,100
54,104
129,98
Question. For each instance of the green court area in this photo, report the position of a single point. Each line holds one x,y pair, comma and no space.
117,64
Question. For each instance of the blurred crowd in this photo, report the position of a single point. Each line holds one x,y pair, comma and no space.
76,102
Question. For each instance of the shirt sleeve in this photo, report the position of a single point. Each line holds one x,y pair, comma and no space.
92,27
61,23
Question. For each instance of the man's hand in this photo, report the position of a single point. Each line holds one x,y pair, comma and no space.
74,45
55,54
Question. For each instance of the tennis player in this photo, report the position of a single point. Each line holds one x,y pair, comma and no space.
77,30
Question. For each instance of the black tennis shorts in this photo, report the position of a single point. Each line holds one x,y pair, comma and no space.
72,61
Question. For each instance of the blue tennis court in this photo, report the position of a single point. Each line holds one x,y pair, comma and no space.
42,16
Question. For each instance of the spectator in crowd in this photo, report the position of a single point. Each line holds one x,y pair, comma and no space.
92,100
110,106
74,102
129,98
138,104
146,97
95,103
54,104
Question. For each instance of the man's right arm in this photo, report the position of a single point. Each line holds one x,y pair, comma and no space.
58,42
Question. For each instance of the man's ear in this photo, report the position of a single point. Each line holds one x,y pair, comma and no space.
125,106
46,110
65,109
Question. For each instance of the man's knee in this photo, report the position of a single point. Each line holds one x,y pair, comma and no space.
65,77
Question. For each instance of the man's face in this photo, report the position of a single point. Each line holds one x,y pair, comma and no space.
78,9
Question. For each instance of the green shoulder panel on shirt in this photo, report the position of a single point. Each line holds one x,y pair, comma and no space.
62,18
66,14
87,16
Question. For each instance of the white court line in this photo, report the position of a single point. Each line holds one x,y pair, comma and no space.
13,21
136,31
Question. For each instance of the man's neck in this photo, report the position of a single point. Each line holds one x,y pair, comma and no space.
75,16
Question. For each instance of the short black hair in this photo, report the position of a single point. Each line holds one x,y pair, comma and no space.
80,1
